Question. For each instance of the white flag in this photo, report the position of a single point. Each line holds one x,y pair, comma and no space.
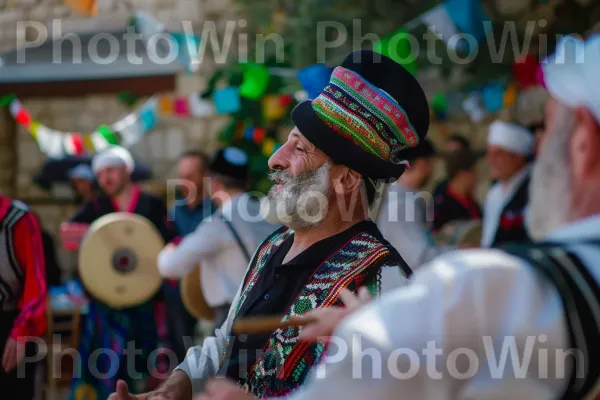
132,133
439,22
200,107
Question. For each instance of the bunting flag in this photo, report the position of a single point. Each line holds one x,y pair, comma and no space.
439,22
398,47
127,131
83,7
131,129
187,45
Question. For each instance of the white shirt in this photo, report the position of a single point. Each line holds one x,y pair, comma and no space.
401,221
213,246
497,198
456,301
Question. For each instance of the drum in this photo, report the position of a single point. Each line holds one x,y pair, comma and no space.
461,234
117,260
193,298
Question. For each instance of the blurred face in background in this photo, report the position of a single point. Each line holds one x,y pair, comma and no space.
82,187
468,179
191,170
453,145
503,164
423,169
112,180
566,176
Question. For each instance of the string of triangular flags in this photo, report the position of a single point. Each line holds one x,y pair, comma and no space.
131,129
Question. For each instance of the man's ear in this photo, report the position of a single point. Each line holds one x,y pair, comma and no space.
585,145
347,181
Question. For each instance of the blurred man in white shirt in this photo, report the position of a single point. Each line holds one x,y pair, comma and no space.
224,243
509,146
405,211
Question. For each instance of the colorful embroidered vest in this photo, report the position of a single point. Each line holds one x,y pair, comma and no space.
285,361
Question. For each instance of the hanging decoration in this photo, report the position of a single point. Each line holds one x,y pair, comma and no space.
314,79
439,21
128,98
525,71
83,7
468,16
256,81
227,100
127,131
398,47
185,44
439,104
492,96
510,96
472,106
275,107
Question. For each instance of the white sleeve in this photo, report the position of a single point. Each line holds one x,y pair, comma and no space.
202,362
443,337
392,278
206,240
411,240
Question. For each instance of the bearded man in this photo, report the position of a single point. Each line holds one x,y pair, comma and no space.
467,311
351,134
106,327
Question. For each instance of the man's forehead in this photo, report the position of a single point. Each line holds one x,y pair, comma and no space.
295,133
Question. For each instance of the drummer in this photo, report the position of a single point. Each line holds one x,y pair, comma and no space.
106,327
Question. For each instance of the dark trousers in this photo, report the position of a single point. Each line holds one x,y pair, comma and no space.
21,378
181,324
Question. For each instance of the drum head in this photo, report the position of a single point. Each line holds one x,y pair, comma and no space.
193,298
117,260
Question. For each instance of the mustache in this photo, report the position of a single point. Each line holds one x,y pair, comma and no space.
286,177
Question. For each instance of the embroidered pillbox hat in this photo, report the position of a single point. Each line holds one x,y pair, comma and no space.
369,113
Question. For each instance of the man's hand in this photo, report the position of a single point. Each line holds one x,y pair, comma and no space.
329,318
222,389
177,387
122,393
13,354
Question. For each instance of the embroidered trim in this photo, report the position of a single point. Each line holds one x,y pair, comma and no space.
364,114
285,361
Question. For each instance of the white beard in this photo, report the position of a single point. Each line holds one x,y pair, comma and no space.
550,196
302,202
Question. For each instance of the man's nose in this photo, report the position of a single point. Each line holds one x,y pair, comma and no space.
280,159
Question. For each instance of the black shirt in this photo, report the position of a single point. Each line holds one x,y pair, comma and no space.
278,286
144,204
451,206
